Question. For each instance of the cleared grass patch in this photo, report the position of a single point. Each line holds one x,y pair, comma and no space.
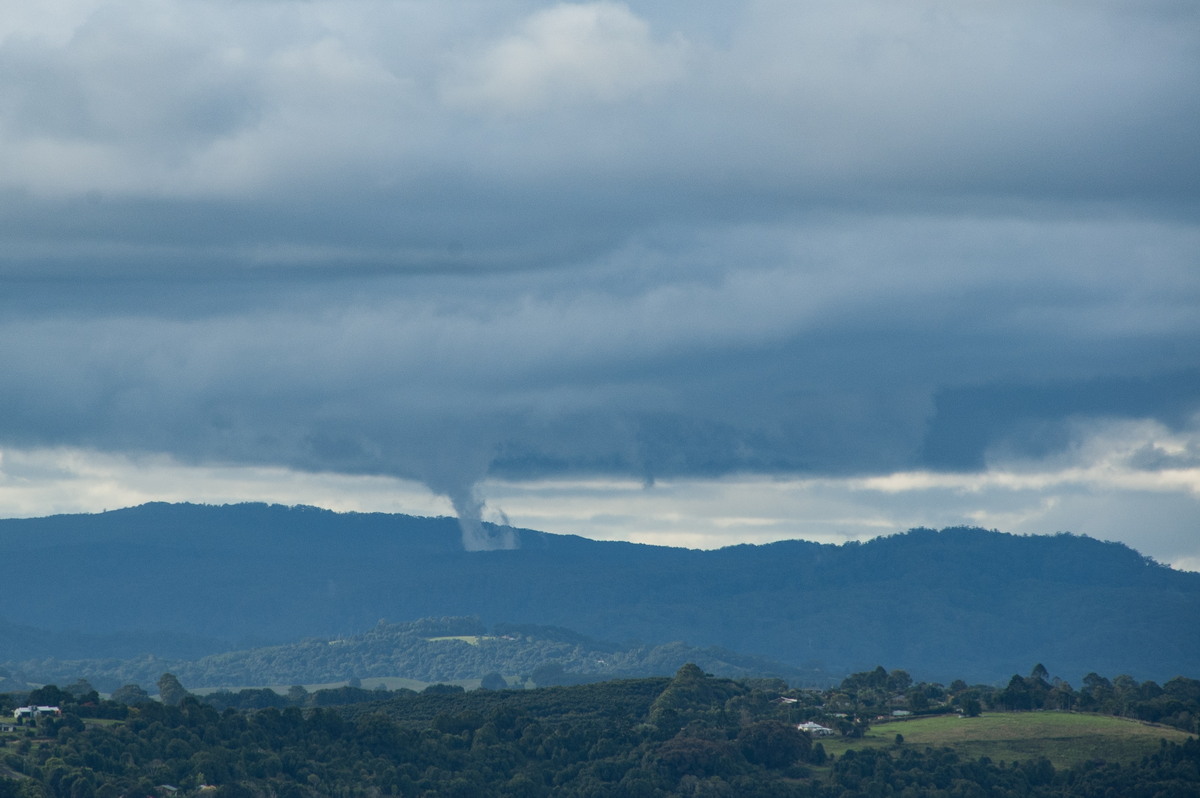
1065,738
473,640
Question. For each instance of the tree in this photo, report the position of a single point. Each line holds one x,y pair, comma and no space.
443,689
1095,683
49,695
1016,696
170,690
130,695
773,744
1061,696
918,699
694,756
493,681
898,681
82,691
1096,691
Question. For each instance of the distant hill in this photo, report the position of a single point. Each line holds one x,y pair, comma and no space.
181,580
429,650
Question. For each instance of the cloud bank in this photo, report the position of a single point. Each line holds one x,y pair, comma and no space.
485,245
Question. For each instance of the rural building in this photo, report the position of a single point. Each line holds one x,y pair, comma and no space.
33,712
815,729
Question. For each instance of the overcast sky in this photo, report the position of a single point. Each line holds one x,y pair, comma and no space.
694,274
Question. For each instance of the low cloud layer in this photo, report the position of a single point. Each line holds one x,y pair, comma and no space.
526,241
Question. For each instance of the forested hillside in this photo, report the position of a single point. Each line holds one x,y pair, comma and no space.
428,650
690,734
956,602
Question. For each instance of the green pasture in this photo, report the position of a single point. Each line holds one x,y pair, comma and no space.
1065,738
473,640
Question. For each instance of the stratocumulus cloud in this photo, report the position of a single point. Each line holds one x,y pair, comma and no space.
486,245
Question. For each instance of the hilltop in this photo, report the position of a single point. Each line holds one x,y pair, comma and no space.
190,580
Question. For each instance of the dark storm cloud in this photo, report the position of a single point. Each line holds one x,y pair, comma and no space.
442,241
1029,418
766,367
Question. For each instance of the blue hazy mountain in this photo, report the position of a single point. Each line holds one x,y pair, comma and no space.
186,580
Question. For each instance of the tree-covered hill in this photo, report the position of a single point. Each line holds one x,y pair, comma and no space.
429,650
955,602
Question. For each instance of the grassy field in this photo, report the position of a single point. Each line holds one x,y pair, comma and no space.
472,639
1065,738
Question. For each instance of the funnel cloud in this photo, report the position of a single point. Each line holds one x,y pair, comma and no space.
475,536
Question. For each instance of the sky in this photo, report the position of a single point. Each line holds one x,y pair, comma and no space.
684,274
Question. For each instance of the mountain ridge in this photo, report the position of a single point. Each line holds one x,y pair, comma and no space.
960,601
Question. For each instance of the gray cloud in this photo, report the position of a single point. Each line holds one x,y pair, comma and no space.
531,239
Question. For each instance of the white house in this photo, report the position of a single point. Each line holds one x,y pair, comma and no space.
815,729
33,712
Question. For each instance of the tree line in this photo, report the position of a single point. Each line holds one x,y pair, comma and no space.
690,734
